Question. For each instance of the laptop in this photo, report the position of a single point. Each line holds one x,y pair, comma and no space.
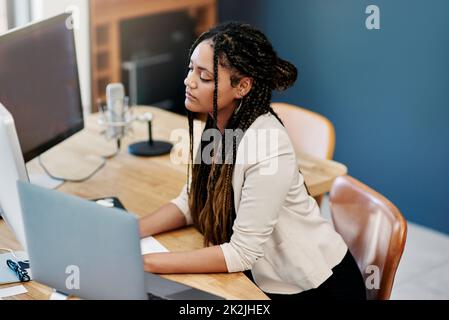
81,248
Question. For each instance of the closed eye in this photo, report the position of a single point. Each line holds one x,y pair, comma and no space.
202,79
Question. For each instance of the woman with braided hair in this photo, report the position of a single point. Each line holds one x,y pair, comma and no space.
255,212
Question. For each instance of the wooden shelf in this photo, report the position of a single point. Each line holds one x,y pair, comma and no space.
102,34
128,9
103,74
105,19
100,49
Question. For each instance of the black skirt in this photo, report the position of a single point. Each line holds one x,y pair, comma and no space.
346,283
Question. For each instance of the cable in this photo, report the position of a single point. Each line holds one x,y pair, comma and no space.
11,252
94,172
103,163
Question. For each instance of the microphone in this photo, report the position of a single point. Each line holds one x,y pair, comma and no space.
116,114
115,97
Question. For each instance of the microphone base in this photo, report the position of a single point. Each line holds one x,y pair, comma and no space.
145,149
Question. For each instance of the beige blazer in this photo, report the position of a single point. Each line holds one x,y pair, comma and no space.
278,232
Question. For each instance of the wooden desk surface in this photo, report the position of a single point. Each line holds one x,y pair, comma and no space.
143,185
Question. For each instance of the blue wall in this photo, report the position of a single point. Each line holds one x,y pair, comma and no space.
386,91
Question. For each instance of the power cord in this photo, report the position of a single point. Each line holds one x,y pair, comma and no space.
94,172
10,251
18,266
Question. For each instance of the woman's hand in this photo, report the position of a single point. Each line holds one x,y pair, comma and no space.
150,263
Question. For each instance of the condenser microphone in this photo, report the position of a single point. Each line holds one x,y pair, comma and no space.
115,97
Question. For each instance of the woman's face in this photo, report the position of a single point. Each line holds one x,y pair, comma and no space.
200,83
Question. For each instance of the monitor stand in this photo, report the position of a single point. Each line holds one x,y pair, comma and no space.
45,181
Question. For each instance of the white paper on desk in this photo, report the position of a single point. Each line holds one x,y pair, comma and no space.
151,245
58,296
12,291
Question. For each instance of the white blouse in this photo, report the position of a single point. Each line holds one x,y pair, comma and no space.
278,232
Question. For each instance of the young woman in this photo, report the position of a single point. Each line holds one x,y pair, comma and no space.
256,216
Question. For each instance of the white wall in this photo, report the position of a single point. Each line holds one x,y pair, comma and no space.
42,9
21,15
21,12
3,20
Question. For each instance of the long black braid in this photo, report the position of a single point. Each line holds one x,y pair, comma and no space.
246,52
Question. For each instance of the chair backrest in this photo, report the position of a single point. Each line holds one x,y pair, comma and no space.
374,230
309,132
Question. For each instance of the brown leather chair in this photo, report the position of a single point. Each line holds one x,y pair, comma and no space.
310,132
372,227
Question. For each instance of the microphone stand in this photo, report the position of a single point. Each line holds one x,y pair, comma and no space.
150,148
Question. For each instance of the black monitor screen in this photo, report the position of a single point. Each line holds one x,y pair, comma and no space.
39,84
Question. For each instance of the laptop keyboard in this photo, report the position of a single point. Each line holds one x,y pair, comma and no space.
155,297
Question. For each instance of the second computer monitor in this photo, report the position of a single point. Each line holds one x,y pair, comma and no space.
12,169
39,84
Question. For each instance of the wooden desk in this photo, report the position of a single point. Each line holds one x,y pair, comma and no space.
143,185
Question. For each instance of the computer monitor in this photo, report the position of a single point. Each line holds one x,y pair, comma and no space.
39,84
12,169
